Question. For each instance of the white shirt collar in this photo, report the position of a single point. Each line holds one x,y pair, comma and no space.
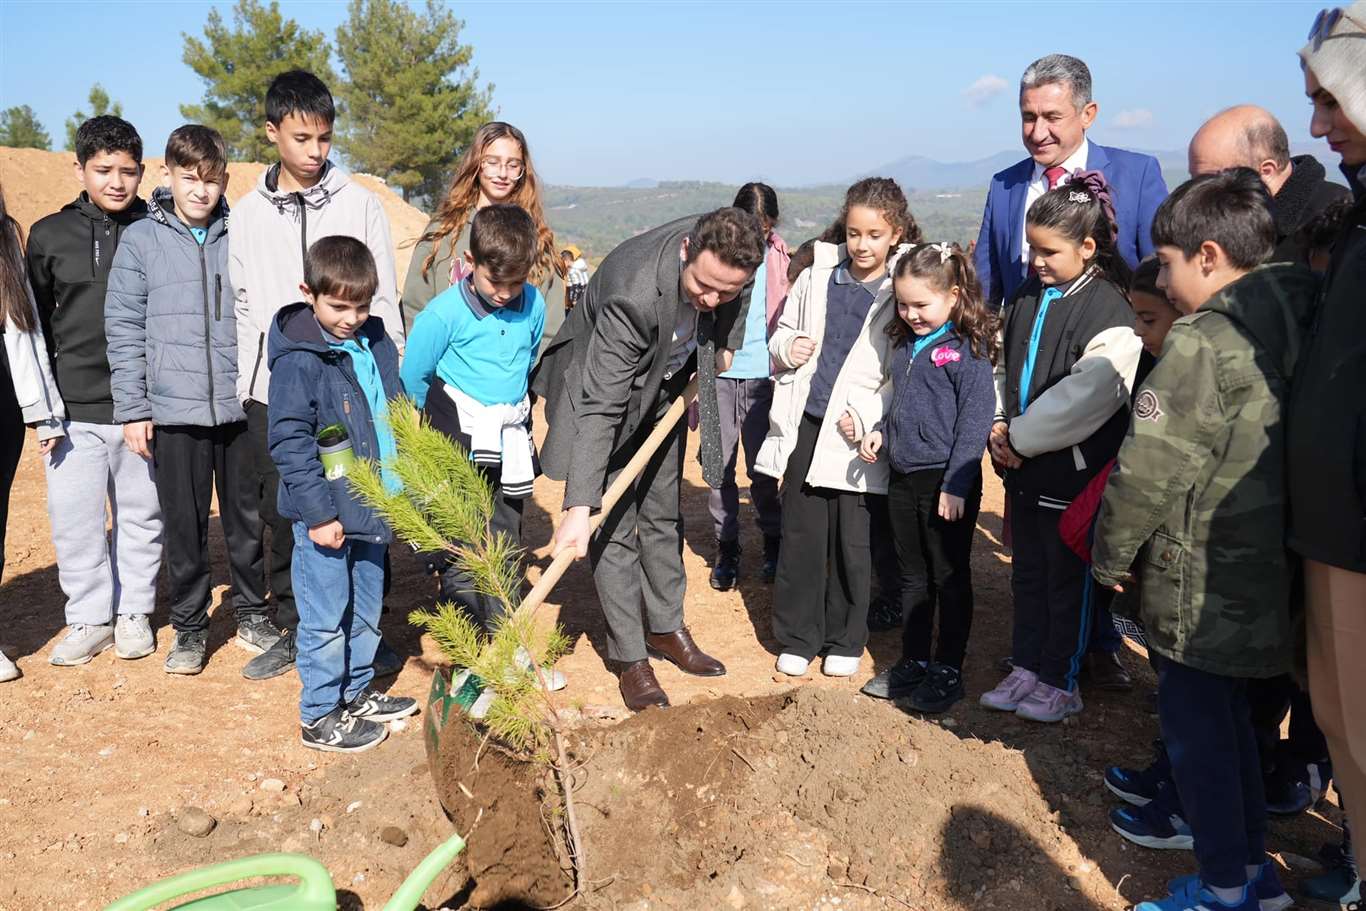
1075,161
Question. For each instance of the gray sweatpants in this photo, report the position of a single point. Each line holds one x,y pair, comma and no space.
103,574
744,421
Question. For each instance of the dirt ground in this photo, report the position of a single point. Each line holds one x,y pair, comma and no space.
750,793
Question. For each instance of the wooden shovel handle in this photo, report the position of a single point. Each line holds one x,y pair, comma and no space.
613,493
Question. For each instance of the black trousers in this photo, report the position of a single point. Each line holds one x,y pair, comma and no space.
11,445
886,565
935,557
267,487
456,585
1053,595
191,463
1270,700
820,596
1207,729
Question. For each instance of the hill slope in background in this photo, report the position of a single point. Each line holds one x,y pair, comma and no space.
38,183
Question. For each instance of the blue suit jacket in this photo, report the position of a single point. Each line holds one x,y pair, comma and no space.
1138,189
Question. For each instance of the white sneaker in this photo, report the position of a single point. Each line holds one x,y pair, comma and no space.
133,637
840,665
555,680
792,665
8,669
81,643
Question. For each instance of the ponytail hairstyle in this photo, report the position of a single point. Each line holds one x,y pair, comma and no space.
882,194
761,201
457,206
946,268
1081,209
15,308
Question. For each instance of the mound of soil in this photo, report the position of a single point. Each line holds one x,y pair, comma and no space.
38,183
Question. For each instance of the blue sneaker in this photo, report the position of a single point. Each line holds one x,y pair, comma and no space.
1200,900
1153,827
1140,787
1271,895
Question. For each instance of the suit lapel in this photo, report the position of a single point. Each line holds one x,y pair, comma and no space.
1097,160
1018,194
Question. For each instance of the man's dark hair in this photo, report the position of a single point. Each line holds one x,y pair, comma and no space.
1230,208
503,239
341,267
199,149
299,92
107,133
733,235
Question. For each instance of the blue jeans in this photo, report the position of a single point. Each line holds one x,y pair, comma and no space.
339,593
1207,727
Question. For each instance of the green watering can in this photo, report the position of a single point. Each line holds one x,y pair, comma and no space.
312,892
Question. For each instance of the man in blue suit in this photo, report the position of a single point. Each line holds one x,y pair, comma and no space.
1056,109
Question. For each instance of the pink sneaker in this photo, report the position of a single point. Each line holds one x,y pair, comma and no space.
1049,704
1008,693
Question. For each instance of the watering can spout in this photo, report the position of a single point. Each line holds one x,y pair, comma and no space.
410,893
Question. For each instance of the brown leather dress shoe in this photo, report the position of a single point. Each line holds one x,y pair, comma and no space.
1107,672
679,648
639,688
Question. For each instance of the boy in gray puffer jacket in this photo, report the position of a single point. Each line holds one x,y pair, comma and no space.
173,366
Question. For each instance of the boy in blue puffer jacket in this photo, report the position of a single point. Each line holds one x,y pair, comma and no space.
333,371
172,344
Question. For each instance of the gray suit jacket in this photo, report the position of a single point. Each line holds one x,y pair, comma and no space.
601,377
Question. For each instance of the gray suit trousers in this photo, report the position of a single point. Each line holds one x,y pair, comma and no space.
637,553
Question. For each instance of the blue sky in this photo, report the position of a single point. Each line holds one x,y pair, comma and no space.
793,92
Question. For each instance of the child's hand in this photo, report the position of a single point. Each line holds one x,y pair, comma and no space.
48,446
950,507
872,442
999,444
846,427
329,535
137,436
801,349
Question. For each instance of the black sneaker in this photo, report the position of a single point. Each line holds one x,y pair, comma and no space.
772,545
941,688
1285,796
387,661
1140,787
897,682
274,661
374,706
884,614
256,633
341,732
189,652
727,566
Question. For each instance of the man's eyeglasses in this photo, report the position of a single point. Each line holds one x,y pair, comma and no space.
513,167
1326,21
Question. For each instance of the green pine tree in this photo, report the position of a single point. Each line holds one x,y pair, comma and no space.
411,99
100,104
20,129
237,66
445,505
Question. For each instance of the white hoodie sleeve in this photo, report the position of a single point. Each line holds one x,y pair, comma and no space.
385,304
790,327
31,372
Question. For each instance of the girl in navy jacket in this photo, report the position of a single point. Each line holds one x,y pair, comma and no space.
935,432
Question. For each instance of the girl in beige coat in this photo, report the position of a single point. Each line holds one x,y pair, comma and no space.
832,347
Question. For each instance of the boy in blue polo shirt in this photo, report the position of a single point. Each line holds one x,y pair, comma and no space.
466,365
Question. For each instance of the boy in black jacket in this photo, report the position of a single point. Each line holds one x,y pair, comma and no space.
69,255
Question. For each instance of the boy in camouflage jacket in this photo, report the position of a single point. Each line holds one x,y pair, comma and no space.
1198,498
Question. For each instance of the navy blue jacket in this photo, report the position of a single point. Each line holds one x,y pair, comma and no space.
313,385
1138,188
940,416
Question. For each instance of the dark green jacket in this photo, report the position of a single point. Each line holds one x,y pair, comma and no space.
418,291
1328,415
1198,493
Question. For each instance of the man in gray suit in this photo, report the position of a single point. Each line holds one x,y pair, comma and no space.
658,303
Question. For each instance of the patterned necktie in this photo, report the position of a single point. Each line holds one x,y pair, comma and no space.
1054,175
708,409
